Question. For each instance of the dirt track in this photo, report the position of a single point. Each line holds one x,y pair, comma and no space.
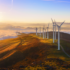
11,47
8,55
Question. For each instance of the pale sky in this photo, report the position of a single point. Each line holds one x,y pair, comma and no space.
34,11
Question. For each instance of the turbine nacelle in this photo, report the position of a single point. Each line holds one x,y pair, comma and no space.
60,25
59,35
47,32
53,29
52,22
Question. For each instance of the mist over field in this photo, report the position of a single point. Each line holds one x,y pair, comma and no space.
9,31
6,34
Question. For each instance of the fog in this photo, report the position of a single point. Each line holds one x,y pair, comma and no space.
5,34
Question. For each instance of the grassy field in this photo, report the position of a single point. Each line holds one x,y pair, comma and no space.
66,46
30,52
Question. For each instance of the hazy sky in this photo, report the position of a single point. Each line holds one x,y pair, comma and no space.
34,11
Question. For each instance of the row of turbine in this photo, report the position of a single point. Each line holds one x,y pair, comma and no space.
54,35
44,33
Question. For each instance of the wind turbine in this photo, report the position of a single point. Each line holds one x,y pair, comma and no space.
36,30
40,31
53,30
59,35
43,32
47,32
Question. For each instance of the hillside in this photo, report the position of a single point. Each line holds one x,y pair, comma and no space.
30,52
63,36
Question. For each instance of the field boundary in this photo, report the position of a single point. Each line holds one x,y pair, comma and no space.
64,51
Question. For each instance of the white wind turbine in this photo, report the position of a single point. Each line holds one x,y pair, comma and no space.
40,31
59,35
47,32
43,32
36,30
53,30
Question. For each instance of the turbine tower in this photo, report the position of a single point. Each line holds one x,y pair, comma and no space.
53,30
36,30
43,32
47,32
40,31
59,35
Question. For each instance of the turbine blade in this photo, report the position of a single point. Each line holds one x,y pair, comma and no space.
55,23
61,24
52,20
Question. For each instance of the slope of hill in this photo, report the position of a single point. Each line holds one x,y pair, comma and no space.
30,52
